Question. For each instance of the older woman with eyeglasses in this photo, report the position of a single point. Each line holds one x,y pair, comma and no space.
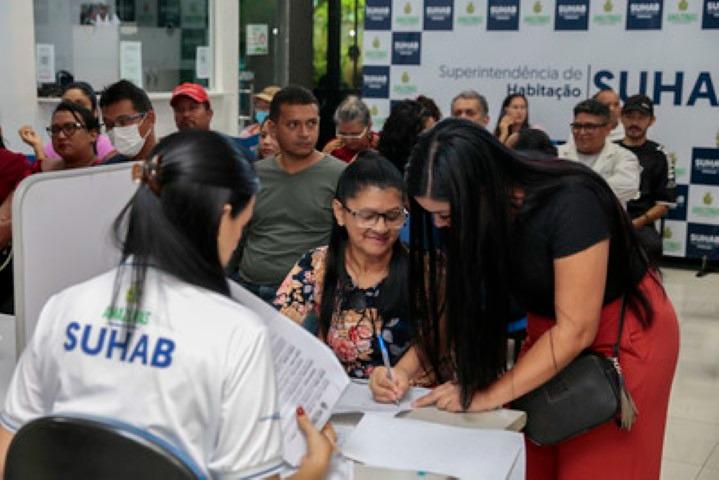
353,132
74,130
354,290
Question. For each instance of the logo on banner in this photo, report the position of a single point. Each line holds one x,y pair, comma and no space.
378,109
704,205
503,15
377,50
438,15
644,14
375,82
378,15
679,212
537,16
405,87
406,48
674,238
608,15
705,166
710,16
680,12
469,13
571,15
703,240
408,15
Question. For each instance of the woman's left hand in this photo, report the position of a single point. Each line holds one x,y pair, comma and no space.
448,397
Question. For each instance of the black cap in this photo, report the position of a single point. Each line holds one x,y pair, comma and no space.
641,103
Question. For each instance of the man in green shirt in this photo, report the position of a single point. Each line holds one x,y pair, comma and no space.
293,209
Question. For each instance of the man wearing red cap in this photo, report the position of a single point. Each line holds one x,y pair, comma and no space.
191,106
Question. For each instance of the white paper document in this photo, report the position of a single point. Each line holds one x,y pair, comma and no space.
358,399
465,453
306,370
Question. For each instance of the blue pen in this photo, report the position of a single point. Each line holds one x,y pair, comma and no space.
385,360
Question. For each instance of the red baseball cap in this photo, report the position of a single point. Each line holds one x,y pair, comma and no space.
192,90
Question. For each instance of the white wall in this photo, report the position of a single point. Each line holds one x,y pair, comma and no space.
18,96
19,103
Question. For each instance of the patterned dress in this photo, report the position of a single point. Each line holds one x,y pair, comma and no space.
356,322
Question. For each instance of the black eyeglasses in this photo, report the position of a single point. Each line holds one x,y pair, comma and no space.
123,120
366,218
68,129
590,127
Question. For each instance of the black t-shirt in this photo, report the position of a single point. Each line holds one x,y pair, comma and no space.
655,185
570,220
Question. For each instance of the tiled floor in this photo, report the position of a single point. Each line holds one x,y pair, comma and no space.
691,450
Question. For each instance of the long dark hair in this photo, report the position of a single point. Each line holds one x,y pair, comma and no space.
173,219
369,170
463,164
400,131
502,112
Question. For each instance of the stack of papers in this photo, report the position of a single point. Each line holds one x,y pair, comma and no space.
405,444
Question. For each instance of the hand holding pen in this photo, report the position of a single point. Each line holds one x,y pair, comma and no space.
387,366
388,384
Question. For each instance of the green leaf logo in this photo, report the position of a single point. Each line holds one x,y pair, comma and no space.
407,8
375,42
668,233
131,295
683,5
708,198
470,8
405,77
608,6
374,110
537,8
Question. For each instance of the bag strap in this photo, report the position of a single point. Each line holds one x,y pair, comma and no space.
615,348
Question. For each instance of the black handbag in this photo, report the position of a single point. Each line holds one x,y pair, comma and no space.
585,394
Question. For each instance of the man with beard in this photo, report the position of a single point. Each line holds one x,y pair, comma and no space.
657,178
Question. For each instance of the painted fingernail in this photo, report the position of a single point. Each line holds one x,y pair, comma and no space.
300,411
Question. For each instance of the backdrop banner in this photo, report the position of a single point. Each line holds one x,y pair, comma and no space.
558,53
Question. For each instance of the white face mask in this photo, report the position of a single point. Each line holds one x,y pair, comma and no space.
127,140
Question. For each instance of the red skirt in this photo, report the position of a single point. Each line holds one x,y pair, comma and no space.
648,358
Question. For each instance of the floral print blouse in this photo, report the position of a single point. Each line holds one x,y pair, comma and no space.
356,323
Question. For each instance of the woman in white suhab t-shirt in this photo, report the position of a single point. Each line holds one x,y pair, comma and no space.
157,342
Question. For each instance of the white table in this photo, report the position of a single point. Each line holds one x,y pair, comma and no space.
504,419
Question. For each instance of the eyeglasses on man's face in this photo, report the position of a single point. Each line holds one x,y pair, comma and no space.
123,120
68,129
366,218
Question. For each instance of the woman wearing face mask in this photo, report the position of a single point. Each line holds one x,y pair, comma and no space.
74,130
250,136
82,94
354,290
165,323
129,121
